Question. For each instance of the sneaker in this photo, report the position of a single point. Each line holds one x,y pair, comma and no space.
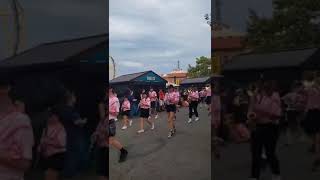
156,116
190,120
116,119
276,177
141,131
152,126
124,127
170,134
123,156
130,123
197,119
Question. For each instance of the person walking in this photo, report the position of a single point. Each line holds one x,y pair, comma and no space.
171,99
145,104
125,109
193,98
153,98
114,107
265,134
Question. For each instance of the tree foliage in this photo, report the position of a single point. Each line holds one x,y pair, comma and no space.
201,69
293,25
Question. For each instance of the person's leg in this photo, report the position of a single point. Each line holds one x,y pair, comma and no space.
195,107
124,121
190,110
141,123
116,144
51,174
271,138
256,150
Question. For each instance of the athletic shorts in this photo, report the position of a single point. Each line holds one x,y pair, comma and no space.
208,100
112,128
153,104
55,162
126,113
171,108
102,161
144,113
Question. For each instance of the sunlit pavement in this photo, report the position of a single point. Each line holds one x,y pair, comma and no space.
152,156
295,162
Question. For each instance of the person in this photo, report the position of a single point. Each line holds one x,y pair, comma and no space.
113,112
176,91
312,123
116,95
100,139
265,134
193,98
161,99
153,99
126,113
202,95
208,97
145,104
76,154
171,99
292,112
53,146
16,134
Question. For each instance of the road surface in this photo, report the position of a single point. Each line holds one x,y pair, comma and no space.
152,156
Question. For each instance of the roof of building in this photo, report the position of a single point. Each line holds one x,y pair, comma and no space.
288,58
130,77
54,52
196,80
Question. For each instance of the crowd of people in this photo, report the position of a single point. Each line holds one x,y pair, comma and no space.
148,109
62,148
261,113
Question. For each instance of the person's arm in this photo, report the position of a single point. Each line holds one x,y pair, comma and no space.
102,111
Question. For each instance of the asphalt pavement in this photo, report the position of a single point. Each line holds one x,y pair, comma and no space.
152,156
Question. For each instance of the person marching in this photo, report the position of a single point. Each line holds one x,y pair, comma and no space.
171,99
153,99
265,111
144,105
177,93
53,146
126,113
312,123
202,95
193,97
161,100
114,107
208,97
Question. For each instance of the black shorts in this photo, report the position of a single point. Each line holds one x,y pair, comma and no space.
55,162
208,100
144,113
102,161
126,113
171,108
153,104
112,128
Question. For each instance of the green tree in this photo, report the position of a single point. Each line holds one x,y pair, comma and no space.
292,25
201,69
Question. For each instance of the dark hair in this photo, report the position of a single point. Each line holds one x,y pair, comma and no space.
170,86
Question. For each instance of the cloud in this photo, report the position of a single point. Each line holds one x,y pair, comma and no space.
130,64
158,33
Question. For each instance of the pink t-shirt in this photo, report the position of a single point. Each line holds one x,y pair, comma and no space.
145,103
126,105
54,140
194,96
208,92
114,106
171,98
16,137
153,96
313,98
267,108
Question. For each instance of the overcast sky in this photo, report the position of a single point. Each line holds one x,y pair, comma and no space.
155,34
54,20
